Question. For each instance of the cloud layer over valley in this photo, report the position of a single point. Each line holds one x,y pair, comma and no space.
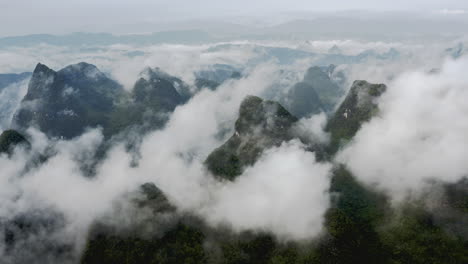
417,136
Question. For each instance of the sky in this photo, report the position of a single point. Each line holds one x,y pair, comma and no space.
57,16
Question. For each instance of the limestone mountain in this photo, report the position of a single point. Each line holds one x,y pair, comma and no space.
327,90
9,139
314,94
205,83
64,103
214,75
261,125
219,73
358,107
302,100
160,89
155,95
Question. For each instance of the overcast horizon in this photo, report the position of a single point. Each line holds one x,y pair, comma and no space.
25,17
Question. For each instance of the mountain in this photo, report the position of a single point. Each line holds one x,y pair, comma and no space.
154,96
261,125
30,237
358,107
213,76
314,94
219,73
335,50
201,83
8,79
79,39
302,100
156,234
159,90
336,75
457,51
328,91
9,139
65,103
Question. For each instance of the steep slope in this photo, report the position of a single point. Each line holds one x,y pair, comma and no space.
156,75
328,91
302,100
9,139
159,90
213,76
218,73
155,95
314,94
155,234
261,125
201,83
358,107
65,103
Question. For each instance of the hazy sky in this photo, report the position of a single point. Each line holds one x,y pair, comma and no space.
52,16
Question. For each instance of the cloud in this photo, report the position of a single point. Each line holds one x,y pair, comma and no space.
419,134
178,60
288,185
285,192
313,128
452,11
10,98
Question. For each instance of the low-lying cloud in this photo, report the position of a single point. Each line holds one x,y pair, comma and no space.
284,193
419,134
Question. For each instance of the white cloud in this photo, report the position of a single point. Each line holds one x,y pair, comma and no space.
452,11
285,192
419,135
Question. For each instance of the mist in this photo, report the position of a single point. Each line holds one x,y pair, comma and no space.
419,133
61,198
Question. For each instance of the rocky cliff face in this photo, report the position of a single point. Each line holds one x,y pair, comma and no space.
9,139
358,107
261,125
65,103
154,97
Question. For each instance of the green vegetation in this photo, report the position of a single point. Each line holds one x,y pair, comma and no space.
358,107
351,223
183,244
414,237
261,125
360,226
79,96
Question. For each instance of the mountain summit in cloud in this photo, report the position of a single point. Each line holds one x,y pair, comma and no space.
187,133
261,125
64,103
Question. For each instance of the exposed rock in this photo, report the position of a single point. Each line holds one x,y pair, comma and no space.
65,103
261,125
359,106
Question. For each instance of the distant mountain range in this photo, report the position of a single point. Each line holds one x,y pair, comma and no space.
357,25
97,39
